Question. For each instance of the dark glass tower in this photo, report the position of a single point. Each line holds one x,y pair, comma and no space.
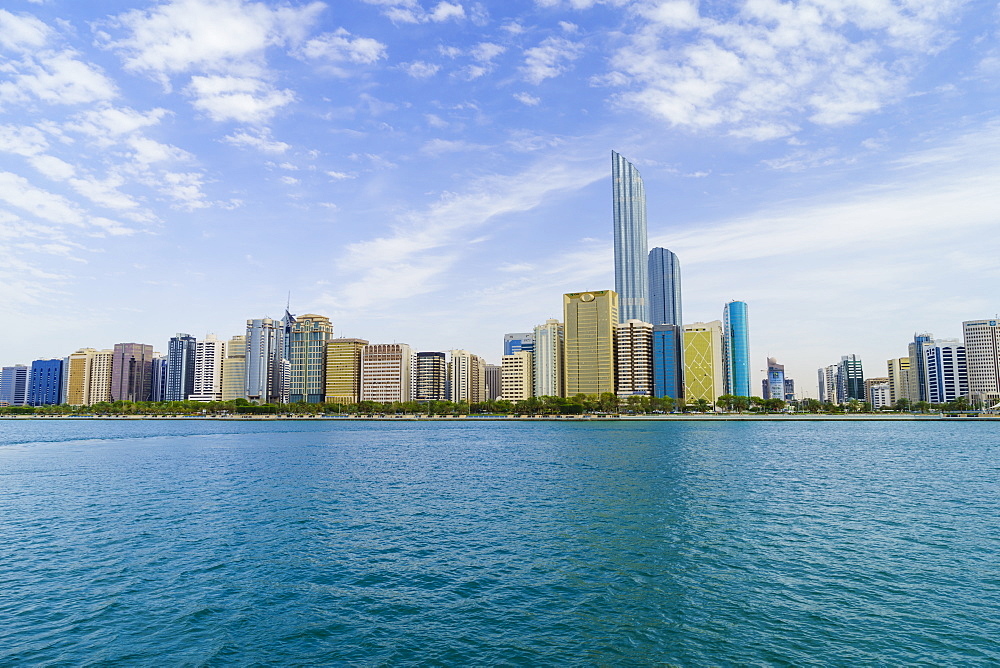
664,288
631,271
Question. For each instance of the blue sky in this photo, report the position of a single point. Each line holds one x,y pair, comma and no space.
438,173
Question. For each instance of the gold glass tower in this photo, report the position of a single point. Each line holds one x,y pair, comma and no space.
343,370
590,320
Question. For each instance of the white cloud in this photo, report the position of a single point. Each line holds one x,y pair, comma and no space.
340,46
549,59
774,64
104,192
22,32
439,146
418,69
60,78
339,176
289,180
109,123
18,192
22,140
52,167
445,11
409,11
185,188
527,99
260,140
242,99
147,151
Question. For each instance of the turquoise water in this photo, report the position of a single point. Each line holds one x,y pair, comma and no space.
354,543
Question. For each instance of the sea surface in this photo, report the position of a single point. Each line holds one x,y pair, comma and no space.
183,542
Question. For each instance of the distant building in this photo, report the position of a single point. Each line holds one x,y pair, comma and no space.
736,352
494,380
209,363
945,370
668,362
518,341
234,369
385,372
877,392
516,373
158,389
100,376
548,359
773,387
850,380
789,389
918,380
78,377
467,377
634,358
982,355
181,351
343,370
704,370
266,372
664,288
828,384
631,250
430,376
14,385
899,380
132,372
308,336
45,382
591,318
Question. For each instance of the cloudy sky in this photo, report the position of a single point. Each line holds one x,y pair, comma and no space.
438,173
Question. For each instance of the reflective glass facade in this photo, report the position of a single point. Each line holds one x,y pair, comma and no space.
631,261
45,382
14,385
664,287
181,351
668,361
736,330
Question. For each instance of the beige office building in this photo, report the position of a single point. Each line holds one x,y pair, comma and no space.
517,376
100,376
982,359
78,381
343,370
548,359
234,369
467,373
590,319
899,380
209,366
385,372
634,358
704,374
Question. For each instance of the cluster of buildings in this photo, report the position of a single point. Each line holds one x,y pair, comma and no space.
630,341
935,371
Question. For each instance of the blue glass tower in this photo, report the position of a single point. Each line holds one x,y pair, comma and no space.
181,352
668,361
736,358
631,270
45,382
518,341
664,288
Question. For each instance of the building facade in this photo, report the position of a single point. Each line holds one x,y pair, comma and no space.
158,390
14,385
132,372
209,363
982,358
548,359
100,376
181,352
385,372
899,379
343,370
45,382
430,376
736,348
918,377
266,372
704,371
494,380
308,337
516,376
234,369
634,358
773,386
828,384
631,249
78,382
466,377
664,288
589,363
945,370
518,341
850,379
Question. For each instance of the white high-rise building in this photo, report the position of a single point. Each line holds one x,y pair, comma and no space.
548,359
209,358
266,367
516,376
945,371
385,372
982,358
100,376
828,384
467,373
634,358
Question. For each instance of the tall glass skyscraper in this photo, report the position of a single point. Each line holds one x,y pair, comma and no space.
664,288
736,329
181,350
631,270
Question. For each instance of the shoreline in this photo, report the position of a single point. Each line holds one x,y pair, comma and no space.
734,417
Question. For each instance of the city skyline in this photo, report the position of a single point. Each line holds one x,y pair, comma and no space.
406,169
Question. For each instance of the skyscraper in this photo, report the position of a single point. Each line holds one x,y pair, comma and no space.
14,385
100,376
516,381
343,370
736,348
828,384
210,357
45,382
518,341
631,250
945,370
850,379
430,376
548,359
181,351
591,318
664,288
467,377
385,372
703,368
918,370
234,369
78,370
265,363
899,379
634,358
494,380
668,361
774,384
982,355
308,336
132,372
158,387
